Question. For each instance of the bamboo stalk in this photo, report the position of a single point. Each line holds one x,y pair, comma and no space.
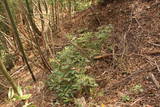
7,76
18,40
45,63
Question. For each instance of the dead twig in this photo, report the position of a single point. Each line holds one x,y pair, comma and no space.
157,66
154,44
154,80
155,4
139,99
3,85
157,52
129,78
34,59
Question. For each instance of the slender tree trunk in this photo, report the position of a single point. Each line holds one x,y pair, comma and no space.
57,21
18,38
55,8
52,18
33,25
70,9
41,15
45,63
7,76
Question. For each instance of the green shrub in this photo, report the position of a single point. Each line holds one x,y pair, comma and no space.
69,78
91,42
77,5
81,5
67,59
7,58
71,83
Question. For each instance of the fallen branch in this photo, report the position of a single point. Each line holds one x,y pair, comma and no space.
158,68
152,53
154,44
106,55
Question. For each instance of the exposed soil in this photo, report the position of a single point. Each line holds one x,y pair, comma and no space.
134,42
132,52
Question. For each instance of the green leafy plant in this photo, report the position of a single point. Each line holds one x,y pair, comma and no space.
81,5
78,5
28,105
69,78
125,98
13,96
91,42
137,88
21,97
71,83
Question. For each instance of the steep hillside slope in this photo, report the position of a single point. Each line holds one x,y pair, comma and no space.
128,68
131,56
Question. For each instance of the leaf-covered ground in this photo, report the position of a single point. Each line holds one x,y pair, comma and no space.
129,61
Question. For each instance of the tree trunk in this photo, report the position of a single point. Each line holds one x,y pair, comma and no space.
20,46
7,76
33,25
44,61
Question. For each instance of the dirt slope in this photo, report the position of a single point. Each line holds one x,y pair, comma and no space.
132,55
133,46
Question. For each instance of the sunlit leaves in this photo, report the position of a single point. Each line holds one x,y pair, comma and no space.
10,93
21,96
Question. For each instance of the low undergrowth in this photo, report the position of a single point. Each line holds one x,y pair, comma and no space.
7,58
69,78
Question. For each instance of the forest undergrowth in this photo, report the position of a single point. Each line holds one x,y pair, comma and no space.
83,54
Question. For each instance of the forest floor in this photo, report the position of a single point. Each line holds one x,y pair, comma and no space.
128,71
